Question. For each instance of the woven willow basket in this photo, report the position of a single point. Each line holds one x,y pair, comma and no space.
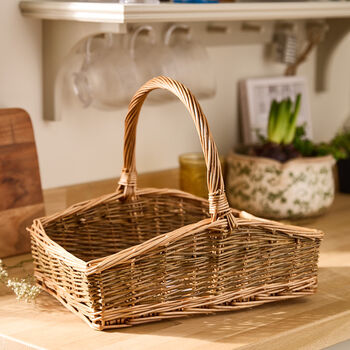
142,255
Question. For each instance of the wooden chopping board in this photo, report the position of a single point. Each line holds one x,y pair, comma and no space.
21,198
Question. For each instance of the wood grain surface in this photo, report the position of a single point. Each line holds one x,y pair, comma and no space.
20,185
307,323
13,224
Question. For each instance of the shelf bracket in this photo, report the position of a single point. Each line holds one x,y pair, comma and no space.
338,29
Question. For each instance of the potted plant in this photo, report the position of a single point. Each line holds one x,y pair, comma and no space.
339,147
282,176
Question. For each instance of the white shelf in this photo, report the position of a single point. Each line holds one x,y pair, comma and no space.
110,12
66,23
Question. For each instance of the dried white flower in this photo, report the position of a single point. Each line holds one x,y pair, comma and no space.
3,273
23,288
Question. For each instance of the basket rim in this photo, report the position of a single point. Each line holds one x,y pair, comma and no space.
242,219
328,159
76,208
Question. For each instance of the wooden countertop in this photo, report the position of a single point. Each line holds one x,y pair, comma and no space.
307,323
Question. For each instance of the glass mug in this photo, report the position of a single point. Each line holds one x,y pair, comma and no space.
65,90
108,77
144,54
105,72
187,61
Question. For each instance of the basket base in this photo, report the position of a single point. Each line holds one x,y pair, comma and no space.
233,305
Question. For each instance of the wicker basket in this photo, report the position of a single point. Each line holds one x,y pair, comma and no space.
142,255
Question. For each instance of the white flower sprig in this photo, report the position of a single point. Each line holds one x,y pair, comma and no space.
23,288
3,273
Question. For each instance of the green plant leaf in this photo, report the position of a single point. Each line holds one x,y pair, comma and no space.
292,122
272,119
281,122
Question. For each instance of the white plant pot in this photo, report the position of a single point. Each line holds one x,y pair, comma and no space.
299,188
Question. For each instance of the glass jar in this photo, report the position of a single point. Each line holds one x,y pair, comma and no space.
193,173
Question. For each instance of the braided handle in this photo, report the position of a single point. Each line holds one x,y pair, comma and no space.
218,205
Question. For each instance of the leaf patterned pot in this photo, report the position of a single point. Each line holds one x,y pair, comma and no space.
299,188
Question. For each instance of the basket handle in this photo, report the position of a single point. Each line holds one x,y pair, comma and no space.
218,205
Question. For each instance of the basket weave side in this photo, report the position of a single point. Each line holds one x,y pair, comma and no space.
205,268
207,273
61,274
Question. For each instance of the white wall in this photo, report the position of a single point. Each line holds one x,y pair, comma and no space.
87,145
